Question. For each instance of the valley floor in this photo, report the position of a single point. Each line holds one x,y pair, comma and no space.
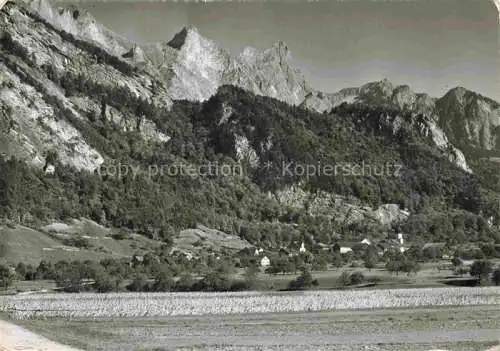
14,337
468,328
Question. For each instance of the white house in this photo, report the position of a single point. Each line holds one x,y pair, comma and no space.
344,250
466,263
302,248
366,241
265,262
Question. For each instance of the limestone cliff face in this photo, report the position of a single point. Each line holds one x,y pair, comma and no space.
36,61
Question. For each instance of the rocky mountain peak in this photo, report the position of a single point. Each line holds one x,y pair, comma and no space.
457,92
279,51
470,119
380,90
186,34
199,67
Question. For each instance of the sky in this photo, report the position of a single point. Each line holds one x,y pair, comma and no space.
431,45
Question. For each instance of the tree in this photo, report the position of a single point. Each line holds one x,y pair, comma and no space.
21,270
336,260
215,281
456,261
303,282
281,264
410,266
251,276
163,281
344,279
432,253
45,270
394,266
414,252
69,277
370,258
3,245
357,278
6,277
185,282
139,283
488,250
103,282
496,276
481,270
320,263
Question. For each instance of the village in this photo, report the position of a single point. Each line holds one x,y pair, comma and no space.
428,264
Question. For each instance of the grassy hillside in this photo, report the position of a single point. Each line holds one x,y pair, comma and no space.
22,244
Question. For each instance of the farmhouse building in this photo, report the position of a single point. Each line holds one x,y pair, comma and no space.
345,249
265,262
366,241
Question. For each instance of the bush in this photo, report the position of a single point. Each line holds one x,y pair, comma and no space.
163,282
272,270
460,270
303,282
139,283
185,283
103,283
78,241
69,278
120,235
344,279
21,270
496,276
6,277
480,270
357,278
240,285
213,281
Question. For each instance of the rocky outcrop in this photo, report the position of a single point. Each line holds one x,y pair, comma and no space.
80,23
203,239
470,119
339,208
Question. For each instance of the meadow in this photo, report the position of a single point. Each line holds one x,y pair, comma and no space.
464,328
90,305
463,319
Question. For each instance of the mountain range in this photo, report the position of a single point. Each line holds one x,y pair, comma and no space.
77,97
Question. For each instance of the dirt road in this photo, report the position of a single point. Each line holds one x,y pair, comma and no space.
15,338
